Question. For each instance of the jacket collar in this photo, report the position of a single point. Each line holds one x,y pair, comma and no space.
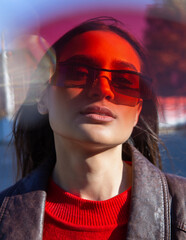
23,212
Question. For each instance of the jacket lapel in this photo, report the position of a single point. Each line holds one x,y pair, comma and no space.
149,202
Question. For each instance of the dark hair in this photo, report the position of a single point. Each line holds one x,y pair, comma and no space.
33,136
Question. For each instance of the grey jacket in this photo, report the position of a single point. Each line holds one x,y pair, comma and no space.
157,204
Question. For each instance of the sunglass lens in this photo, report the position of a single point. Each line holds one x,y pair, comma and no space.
71,75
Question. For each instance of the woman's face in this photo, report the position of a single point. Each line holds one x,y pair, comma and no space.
94,115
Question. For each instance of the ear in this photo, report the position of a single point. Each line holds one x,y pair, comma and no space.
42,105
138,111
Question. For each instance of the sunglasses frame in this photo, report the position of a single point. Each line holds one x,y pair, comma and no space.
144,80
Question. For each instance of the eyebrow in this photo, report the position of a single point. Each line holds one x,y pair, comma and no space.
97,63
84,59
123,64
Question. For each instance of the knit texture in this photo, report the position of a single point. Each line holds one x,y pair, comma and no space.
68,216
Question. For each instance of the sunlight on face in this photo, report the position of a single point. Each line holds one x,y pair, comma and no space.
94,115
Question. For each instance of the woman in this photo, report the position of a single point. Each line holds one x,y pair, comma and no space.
83,148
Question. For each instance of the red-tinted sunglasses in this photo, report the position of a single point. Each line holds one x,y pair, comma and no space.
128,86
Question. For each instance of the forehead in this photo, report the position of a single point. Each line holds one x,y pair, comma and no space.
106,48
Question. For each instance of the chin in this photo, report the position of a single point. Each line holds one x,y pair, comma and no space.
98,138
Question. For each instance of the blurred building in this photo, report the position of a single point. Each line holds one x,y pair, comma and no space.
14,83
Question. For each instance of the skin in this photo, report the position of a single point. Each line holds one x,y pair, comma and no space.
88,150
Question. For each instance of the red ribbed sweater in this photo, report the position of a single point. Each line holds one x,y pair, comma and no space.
69,217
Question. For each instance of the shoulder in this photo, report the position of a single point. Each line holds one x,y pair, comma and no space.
177,184
36,180
177,190
8,192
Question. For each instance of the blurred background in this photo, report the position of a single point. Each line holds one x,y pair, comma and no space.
27,29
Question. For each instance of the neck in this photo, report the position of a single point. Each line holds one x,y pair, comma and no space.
90,172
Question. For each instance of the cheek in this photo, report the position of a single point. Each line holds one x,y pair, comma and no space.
128,120
61,106
57,94
62,99
129,115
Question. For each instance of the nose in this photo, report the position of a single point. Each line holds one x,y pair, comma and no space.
101,89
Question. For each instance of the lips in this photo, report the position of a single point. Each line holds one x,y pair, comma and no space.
99,110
